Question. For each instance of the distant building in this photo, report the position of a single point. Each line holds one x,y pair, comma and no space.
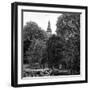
49,31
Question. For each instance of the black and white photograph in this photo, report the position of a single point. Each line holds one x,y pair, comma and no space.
51,44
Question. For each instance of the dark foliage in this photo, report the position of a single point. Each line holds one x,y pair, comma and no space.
54,50
68,28
34,40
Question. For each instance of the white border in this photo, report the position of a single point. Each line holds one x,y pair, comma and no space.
53,78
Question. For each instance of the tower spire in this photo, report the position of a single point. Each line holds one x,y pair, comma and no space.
49,31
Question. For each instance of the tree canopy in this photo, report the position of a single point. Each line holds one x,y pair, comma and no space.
68,28
54,50
33,31
68,25
34,41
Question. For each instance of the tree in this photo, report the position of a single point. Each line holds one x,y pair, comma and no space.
32,33
68,28
68,25
35,51
54,50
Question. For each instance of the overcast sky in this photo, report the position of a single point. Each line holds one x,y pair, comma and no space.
42,19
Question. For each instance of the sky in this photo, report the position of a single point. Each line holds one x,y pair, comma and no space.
42,19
